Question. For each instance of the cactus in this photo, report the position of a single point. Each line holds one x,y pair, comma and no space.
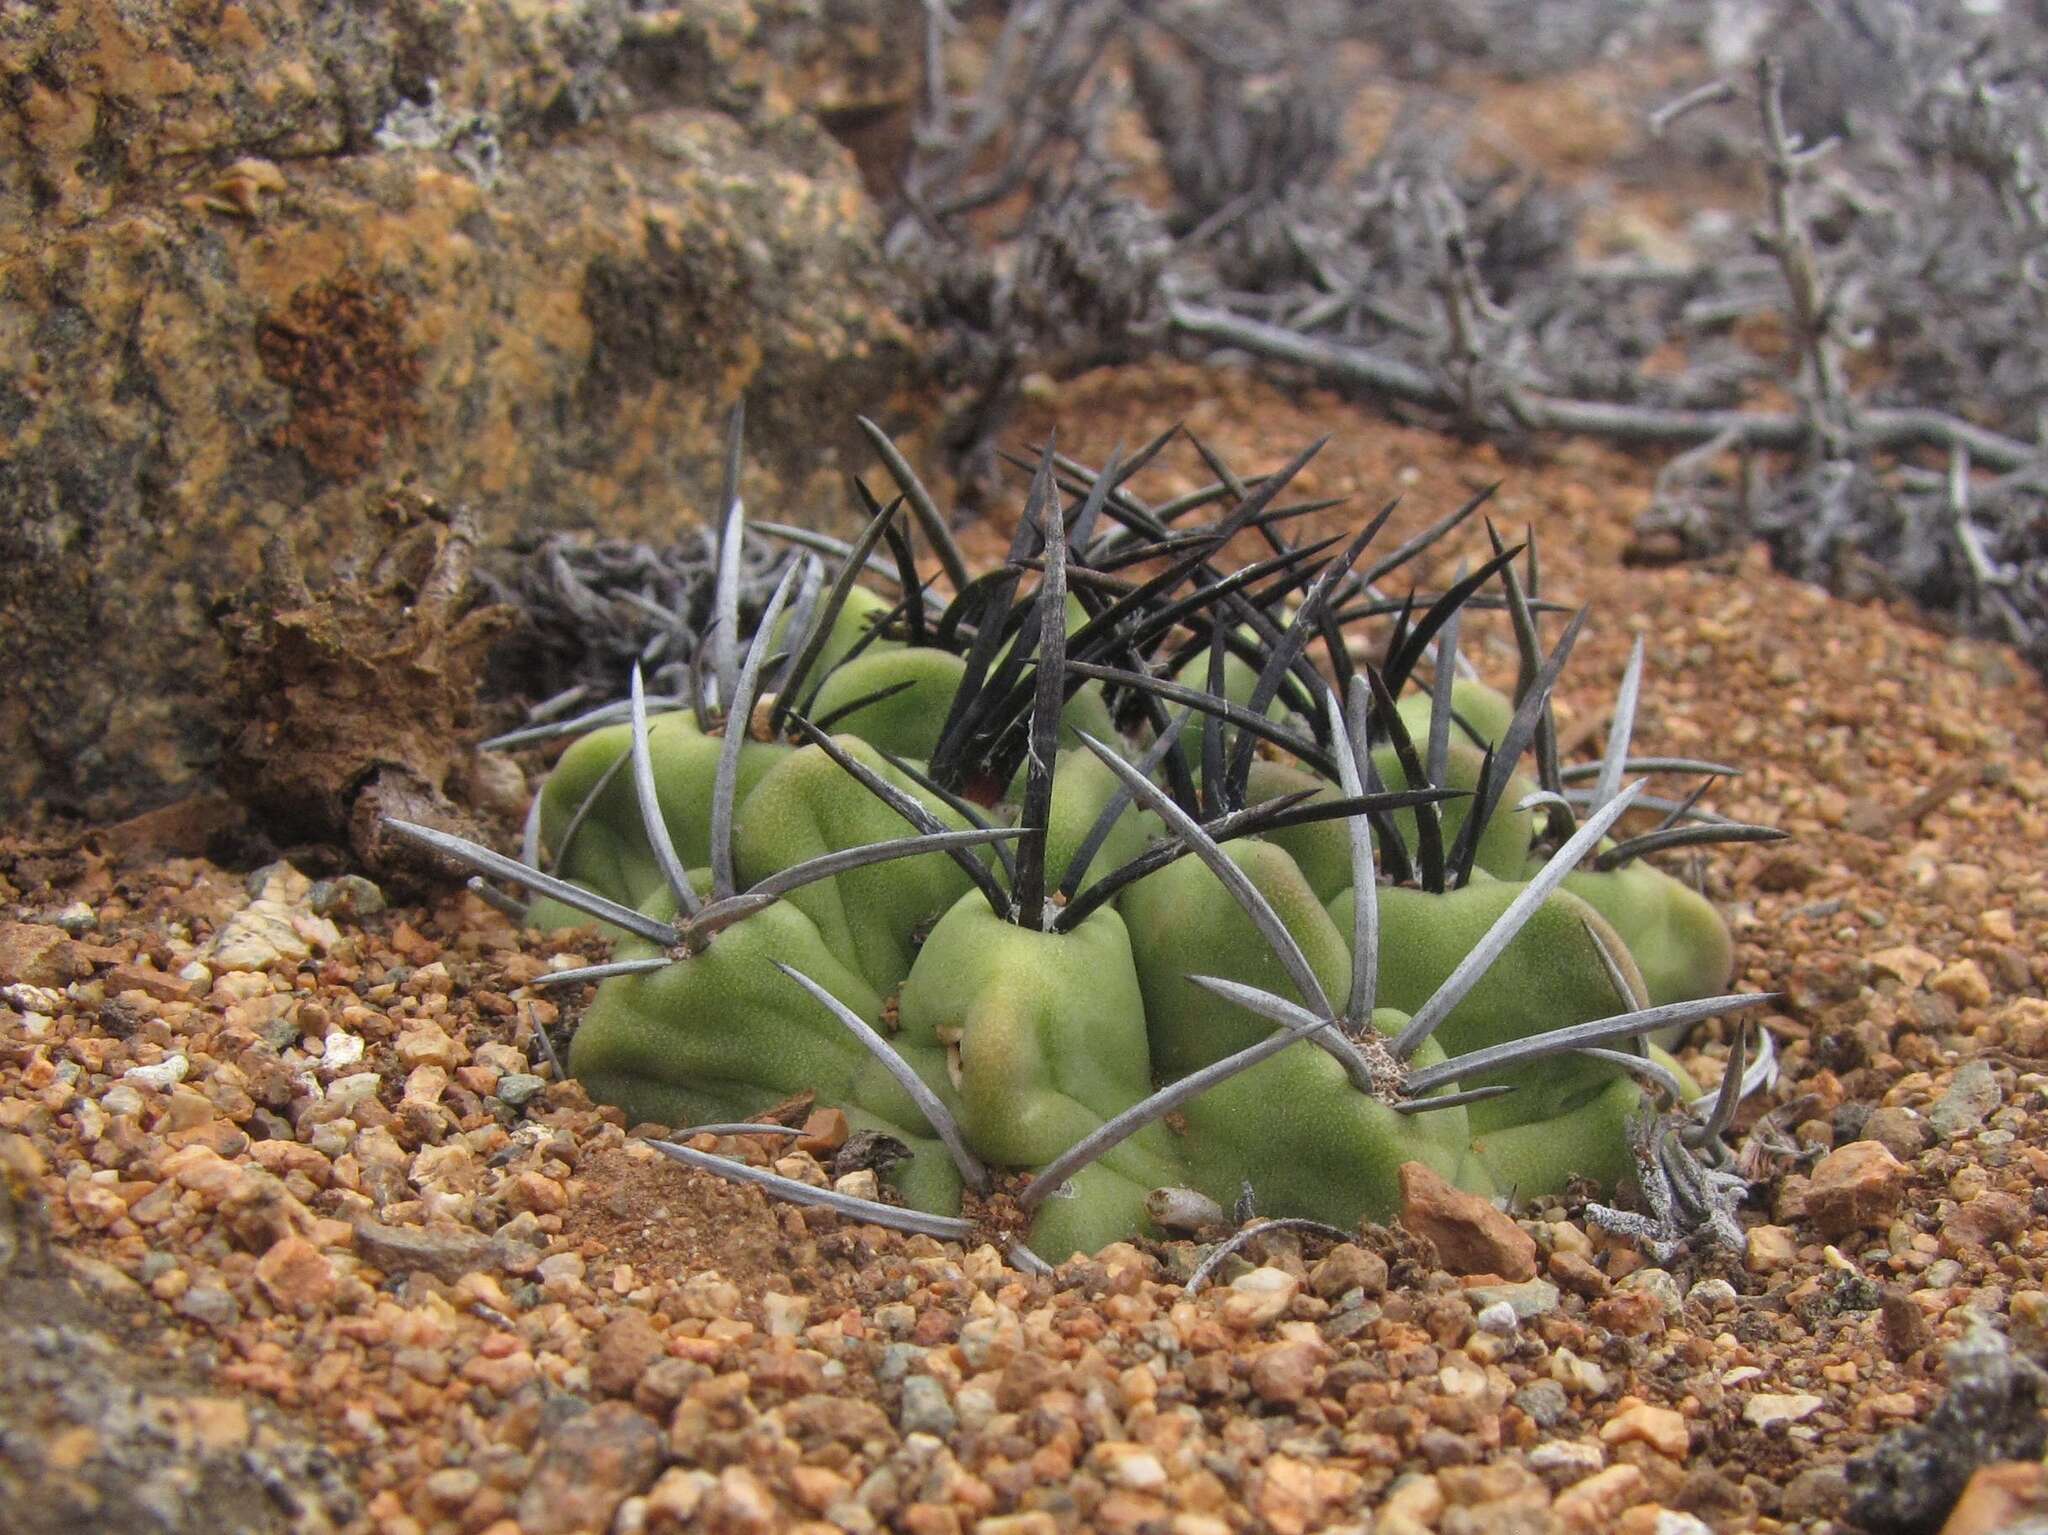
1090,884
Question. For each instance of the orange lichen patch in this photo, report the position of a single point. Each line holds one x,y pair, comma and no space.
241,189
341,349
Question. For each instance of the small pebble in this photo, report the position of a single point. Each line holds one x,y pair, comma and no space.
1498,1318
785,1315
517,1088
77,919
1544,1401
121,1098
343,1050
1661,1428
1766,1408
1529,1299
348,895
1259,1297
899,1359
1712,1294
861,1183
1561,1462
1770,1248
1854,1187
1900,1130
1971,1096
211,1304
1658,1284
925,1408
166,1073
354,1087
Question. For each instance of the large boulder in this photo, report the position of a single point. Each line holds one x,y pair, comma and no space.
260,262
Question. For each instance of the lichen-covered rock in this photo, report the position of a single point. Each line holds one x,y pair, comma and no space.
258,264
1908,1481
101,1425
121,97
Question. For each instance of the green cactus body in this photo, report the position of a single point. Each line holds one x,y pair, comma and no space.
1086,710
1320,849
904,724
1679,941
1185,923
1310,1143
1048,1030
808,805
610,854
1543,1156
1081,787
723,1034
1035,1030
1504,840
1240,678
862,610
1551,975
1689,1090
1487,710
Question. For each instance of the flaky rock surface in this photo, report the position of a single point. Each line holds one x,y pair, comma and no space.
259,263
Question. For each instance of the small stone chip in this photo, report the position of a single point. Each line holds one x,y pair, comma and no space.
166,1073
1972,1094
587,1467
1907,962
517,1088
1288,1371
1545,1403
1768,1408
1661,1428
626,1347
1854,1187
1346,1268
1561,1462
349,895
1771,1247
296,1275
1259,1297
1498,1319
1595,1503
1900,1131
447,1254
1962,983
860,1184
39,954
926,1409
148,981
1531,1298
1471,1236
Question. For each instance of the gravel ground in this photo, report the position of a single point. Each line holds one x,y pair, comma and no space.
292,1165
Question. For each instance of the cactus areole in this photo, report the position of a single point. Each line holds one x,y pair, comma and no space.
1116,879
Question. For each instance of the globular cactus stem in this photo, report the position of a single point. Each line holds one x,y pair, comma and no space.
1095,890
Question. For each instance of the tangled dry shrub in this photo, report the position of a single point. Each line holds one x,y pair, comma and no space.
1894,244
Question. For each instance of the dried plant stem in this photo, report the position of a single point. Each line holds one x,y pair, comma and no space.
1876,430
1786,167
